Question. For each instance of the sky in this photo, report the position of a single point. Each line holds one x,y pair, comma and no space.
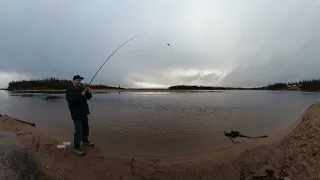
244,43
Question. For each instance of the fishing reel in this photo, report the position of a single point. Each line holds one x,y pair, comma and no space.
84,86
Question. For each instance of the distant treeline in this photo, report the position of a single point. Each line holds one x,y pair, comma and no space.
305,85
184,87
312,85
276,86
47,84
59,84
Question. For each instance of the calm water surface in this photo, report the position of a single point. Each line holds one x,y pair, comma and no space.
166,124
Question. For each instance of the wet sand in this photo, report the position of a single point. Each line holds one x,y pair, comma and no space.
16,162
293,154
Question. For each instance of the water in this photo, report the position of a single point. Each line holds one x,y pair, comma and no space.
166,124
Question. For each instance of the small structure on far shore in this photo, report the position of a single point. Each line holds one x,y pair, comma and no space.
294,85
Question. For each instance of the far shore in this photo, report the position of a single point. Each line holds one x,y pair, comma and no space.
115,90
147,90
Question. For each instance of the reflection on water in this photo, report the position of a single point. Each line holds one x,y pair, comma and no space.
166,124
42,95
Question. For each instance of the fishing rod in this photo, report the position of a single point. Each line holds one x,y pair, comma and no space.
111,56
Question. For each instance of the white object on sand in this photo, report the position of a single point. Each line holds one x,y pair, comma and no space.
62,146
66,143
286,178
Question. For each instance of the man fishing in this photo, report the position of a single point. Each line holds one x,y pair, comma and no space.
77,96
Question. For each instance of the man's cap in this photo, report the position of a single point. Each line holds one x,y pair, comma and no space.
77,77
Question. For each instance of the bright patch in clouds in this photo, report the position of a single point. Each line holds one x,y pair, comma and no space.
192,72
201,73
6,77
150,85
194,76
169,77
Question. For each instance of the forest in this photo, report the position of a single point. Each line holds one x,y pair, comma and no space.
185,87
47,84
305,85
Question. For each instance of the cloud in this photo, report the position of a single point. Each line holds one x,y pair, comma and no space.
172,76
282,66
6,77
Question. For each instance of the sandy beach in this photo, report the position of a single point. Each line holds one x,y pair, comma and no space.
292,154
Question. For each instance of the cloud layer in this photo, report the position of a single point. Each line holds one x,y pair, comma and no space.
232,43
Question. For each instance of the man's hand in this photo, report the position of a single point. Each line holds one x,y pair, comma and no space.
88,89
83,93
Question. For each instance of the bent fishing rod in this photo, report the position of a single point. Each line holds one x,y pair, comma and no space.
111,56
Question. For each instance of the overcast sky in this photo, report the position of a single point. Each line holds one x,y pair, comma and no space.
226,42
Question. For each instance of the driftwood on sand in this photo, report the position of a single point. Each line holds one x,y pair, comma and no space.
25,122
233,134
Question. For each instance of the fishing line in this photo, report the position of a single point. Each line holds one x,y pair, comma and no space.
111,56
301,109
115,52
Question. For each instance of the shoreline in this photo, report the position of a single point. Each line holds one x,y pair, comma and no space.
153,90
114,90
294,150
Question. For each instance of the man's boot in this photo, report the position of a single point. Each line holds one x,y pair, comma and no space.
87,143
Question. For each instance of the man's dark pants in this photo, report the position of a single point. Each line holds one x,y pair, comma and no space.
81,131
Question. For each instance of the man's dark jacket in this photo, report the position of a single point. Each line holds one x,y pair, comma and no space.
78,105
